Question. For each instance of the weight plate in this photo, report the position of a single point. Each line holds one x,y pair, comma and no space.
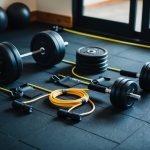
148,79
52,35
146,82
91,65
49,43
92,52
9,72
92,68
125,88
115,92
89,61
17,57
143,76
61,44
91,71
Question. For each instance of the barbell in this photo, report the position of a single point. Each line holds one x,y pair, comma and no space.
47,49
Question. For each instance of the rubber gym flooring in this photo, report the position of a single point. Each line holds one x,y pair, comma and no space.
106,128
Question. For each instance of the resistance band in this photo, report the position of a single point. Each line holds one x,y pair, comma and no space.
53,98
107,39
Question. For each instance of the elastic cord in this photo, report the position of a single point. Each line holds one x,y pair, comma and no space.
107,39
79,76
6,90
71,104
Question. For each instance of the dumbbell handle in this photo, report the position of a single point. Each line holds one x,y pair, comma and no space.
41,50
103,89
129,74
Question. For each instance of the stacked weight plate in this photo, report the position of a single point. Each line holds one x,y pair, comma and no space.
91,60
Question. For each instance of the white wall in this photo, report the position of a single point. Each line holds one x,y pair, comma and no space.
62,7
88,2
30,3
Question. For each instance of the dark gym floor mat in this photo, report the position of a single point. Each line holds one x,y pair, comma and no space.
105,123
61,136
125,64
139,140
78,39
4,99
109,124
22,146
6,141
19,125
136,54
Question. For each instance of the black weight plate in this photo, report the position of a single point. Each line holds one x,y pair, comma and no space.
143,74
61,49
58,50
146,78
92,52
53,37
115,92
17,57
61,44
126,86
91,65
9,71
91,71
131,87
51,47
89,59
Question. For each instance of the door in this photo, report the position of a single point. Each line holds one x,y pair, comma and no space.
127,18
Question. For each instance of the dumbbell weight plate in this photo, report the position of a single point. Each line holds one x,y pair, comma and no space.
10,65
127,86
17,57
49,43
144,77
115,92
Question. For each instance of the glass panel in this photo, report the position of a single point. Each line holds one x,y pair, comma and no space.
139,15
114,10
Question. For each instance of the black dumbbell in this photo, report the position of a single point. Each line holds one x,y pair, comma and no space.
144,76
123,92
47,49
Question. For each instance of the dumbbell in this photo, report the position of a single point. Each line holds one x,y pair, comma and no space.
47,49
123,92
144,76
